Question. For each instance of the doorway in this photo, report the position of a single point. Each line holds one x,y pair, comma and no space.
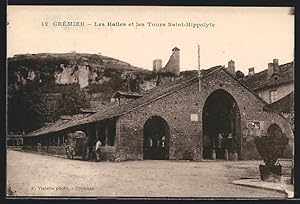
156,139
221,125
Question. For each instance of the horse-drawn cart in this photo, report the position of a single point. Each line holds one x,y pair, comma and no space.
77,145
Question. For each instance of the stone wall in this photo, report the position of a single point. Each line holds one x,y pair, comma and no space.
108,153
176,110
59,150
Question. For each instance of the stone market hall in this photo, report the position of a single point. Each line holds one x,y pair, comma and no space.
176,121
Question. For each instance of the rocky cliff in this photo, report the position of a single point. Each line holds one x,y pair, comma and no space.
94,73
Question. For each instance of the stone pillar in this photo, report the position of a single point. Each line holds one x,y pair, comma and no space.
226,154
213,155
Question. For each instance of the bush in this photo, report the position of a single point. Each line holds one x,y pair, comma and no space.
271,147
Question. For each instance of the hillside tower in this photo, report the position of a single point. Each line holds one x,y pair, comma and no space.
173,65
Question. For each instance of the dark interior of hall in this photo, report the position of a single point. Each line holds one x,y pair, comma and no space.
221,125
156,139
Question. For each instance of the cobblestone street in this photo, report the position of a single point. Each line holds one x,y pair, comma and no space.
39,175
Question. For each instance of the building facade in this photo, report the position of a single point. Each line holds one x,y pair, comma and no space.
273,83
176,121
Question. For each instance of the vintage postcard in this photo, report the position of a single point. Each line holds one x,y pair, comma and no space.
150,101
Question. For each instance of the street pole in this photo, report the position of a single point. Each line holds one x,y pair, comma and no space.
199,70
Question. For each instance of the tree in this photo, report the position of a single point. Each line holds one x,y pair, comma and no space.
239,74
30,107
23,109
72,100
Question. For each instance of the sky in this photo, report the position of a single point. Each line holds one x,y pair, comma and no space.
251,36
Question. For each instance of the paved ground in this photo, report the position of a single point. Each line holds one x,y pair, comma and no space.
32,174
258,183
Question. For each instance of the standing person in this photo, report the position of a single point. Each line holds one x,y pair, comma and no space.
97,149
66,146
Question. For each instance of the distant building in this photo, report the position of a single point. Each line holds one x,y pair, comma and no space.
14,140
157,65
273,83
285,106
173,65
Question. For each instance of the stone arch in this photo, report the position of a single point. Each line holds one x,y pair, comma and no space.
274,130
221,125
156,138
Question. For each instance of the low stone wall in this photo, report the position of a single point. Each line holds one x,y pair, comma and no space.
29,147
56,150
15,147
108,153
59,150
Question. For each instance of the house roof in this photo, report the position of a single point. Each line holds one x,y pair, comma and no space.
175,49
56,126
14,136
284,105
101,108
261,80
149,96
127,94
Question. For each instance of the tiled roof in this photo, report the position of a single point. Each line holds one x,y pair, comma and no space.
127,94
284,105
149,96
56,126
261,80
101,108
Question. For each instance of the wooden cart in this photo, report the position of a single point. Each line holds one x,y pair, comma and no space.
77,145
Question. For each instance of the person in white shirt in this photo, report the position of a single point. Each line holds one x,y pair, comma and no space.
97,149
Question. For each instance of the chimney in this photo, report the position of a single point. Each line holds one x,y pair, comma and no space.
157,65
270,69
251,71
275,65
231,67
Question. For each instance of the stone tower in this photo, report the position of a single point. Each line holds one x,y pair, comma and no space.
173,65
157,65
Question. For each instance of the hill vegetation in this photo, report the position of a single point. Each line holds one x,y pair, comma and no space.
34,97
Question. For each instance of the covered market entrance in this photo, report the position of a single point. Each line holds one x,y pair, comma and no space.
156,138
221,126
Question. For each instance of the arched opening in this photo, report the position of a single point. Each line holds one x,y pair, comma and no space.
156,138
274,130
221,125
